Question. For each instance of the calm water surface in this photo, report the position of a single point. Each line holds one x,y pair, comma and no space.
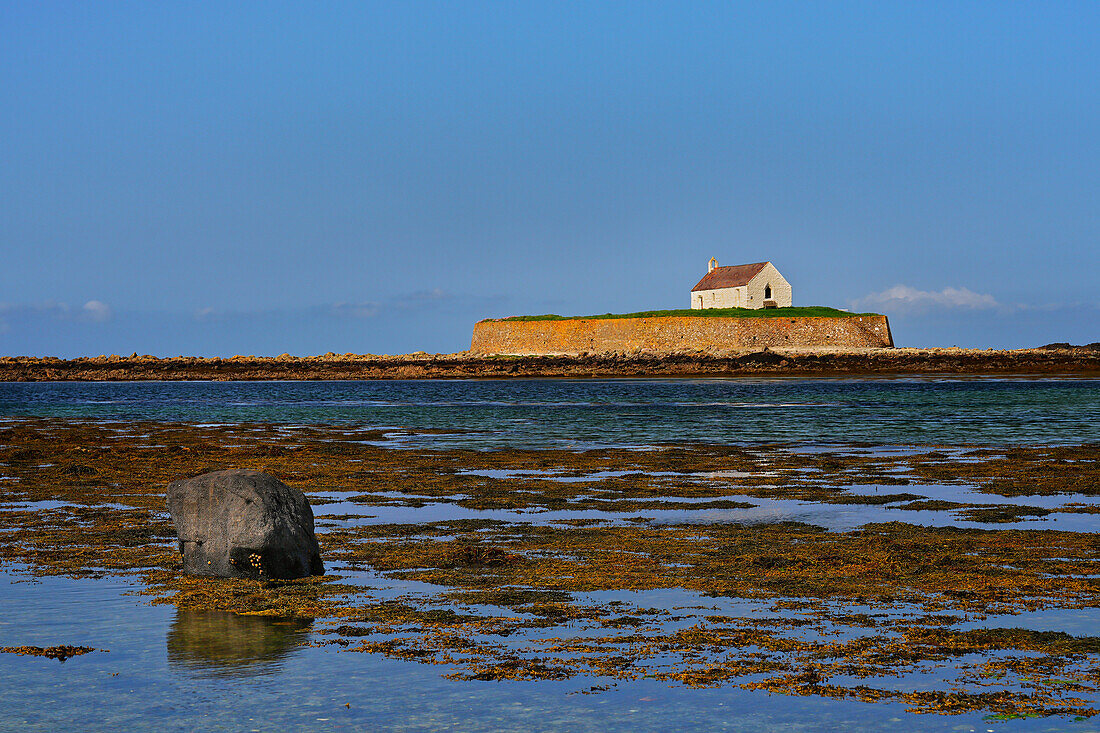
548,412
162,669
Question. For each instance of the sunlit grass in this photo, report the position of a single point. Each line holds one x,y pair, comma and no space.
812,311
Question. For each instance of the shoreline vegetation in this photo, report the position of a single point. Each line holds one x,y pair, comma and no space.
1052,360
813,311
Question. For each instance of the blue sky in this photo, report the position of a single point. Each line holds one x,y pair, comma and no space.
259,178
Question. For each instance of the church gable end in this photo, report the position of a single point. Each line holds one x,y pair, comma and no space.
755,285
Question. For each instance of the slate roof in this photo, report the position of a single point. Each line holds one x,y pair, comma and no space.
730,276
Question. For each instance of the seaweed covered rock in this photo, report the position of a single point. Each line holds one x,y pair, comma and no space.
241,523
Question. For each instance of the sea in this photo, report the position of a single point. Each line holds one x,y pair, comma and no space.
611,412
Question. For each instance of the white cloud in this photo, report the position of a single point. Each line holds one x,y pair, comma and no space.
97,311
356,310
94,311
47,307
909,299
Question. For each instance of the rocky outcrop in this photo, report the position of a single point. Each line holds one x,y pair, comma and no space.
241,523
1056,360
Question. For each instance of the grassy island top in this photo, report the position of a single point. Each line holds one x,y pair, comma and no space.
812,311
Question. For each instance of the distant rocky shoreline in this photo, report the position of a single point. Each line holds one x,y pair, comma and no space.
1053,360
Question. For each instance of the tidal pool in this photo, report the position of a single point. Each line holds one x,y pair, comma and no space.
182,670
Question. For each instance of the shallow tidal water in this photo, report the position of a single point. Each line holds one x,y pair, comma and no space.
606,412
184,671
161,669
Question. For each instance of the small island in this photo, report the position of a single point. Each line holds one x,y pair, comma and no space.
733,307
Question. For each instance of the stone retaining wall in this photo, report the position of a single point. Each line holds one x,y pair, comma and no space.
676,334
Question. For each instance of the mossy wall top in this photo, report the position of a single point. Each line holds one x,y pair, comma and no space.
676,334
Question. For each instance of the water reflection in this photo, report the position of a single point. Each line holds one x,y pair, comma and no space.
227,645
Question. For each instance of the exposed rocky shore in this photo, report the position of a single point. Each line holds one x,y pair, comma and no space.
1059,359
688,564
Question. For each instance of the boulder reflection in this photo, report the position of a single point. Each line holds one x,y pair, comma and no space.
227,645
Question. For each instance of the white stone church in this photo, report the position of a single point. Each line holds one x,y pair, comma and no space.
758,285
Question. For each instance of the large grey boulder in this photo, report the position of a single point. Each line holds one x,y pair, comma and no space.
243,524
